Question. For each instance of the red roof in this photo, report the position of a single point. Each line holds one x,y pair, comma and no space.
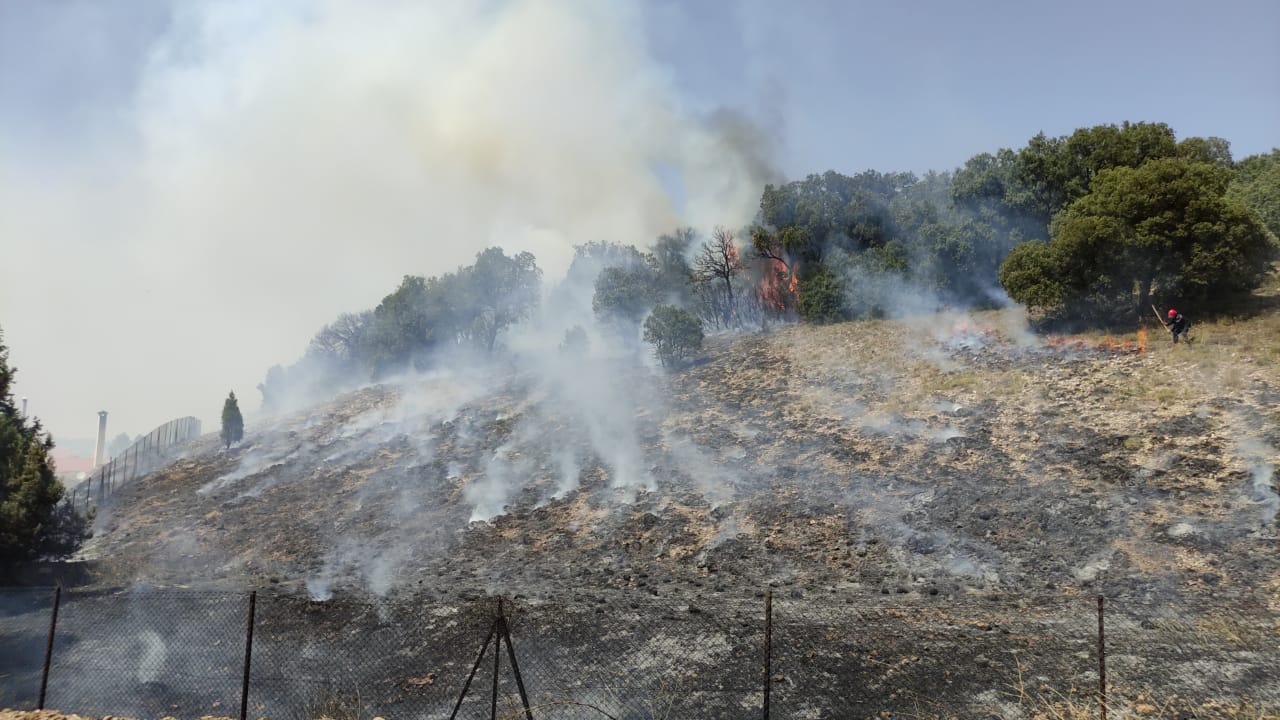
67,461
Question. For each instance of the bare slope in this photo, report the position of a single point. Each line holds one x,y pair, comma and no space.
942,456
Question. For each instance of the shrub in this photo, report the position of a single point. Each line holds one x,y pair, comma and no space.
822,298
575,341
674,333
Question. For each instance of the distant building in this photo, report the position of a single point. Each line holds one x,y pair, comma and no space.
69,463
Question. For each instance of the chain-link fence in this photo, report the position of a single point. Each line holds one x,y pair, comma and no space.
151,653
148,653
1220,659
24,629
974,658
147,453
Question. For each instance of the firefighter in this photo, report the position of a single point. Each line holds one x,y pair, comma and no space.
1177,324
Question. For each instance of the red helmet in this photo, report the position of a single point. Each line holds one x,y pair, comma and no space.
1173,313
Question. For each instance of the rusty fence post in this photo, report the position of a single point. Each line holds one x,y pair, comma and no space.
768,650
248,655
1102,662
48,647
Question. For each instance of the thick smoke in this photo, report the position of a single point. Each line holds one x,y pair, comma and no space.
276,164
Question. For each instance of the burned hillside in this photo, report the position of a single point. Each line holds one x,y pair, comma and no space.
945,457
913,515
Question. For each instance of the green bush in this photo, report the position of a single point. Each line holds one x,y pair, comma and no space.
676,335
822,298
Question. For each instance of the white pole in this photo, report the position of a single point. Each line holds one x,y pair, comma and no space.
100,450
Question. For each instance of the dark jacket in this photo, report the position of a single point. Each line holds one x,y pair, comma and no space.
1178,323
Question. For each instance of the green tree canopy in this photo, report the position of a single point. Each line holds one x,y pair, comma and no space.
1166,227
801,221
495,293
623,295
232,421
1025,189
1257,185
822,298
32,523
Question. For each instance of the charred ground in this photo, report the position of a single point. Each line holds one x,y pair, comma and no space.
947,456
940,462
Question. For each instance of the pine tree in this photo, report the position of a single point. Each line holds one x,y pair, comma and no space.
32,524
232,421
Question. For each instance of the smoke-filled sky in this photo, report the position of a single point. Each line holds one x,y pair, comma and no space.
189,190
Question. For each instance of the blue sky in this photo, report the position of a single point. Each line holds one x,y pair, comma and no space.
272,163
840,85
918,85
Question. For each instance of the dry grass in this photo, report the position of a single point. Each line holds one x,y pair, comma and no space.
332,705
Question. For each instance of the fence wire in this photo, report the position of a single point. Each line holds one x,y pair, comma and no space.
332,658
1219,660
153,653
588,659
24,630
148,653
930,660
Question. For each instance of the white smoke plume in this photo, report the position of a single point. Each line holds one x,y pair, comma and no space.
274,164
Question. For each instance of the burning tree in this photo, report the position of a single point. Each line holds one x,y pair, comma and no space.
715,269
780,279
232,421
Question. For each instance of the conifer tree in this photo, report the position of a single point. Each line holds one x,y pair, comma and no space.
232,421
32,524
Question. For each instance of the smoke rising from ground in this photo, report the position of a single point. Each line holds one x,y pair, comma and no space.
277,164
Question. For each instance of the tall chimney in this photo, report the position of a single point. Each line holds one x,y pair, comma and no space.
100,449
24,406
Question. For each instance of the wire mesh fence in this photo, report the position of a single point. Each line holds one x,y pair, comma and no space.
24,628
343,658
590,659
148,653
152,653
930,660
1218,660
147,453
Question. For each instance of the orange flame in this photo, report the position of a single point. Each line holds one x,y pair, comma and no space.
1108,343
771,285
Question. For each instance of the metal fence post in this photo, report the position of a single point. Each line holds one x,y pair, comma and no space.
497,660
248,655
505,634
768,650
1102,663
48,647
474,668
